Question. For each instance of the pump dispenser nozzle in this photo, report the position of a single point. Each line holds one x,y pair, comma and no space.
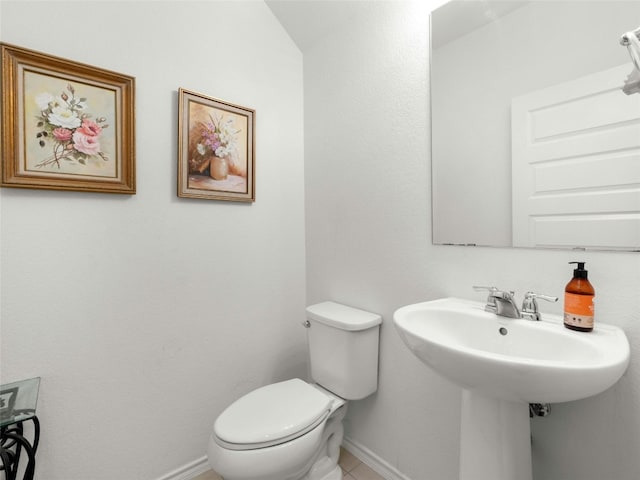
579,272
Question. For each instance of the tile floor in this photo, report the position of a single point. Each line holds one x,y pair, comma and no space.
353,469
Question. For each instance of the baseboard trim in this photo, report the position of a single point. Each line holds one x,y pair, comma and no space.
188,471
388,471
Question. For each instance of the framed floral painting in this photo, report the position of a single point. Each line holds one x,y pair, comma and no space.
65,125
215,149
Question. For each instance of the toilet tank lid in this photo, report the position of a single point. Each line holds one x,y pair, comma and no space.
343,317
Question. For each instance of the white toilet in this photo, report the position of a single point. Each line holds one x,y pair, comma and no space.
292,430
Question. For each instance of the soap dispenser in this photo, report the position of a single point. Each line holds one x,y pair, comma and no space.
578,301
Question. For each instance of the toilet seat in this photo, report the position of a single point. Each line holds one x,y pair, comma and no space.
272,415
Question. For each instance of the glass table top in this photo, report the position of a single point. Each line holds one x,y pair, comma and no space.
18,401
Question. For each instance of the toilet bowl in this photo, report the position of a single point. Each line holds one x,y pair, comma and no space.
292,430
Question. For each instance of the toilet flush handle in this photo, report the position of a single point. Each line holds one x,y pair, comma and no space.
306,324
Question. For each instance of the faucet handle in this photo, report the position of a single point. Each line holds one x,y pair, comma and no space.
494,293
491,299
478,288
530,305
532,296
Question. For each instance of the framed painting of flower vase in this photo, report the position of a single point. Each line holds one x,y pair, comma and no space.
65,125
215,149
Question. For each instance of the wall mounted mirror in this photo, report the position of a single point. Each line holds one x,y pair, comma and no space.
534,143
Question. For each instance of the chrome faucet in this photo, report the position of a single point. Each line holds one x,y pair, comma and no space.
504,304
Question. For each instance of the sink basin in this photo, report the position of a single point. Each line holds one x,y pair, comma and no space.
512,359
502,365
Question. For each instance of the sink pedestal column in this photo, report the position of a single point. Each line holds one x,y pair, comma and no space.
495,439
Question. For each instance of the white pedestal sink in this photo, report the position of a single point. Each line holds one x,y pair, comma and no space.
503,364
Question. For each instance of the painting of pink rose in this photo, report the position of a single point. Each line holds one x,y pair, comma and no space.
62,134
87,144
65,126
90,128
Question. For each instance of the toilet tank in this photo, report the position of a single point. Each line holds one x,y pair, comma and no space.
343,349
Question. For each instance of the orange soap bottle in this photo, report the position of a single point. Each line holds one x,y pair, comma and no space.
578,301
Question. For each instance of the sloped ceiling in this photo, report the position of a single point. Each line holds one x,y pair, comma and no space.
309,20
306,21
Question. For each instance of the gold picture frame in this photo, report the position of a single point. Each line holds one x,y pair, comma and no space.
216,149
65,125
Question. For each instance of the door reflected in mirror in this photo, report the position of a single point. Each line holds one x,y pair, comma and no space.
534,141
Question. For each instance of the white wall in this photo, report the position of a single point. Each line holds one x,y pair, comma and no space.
369,245
146,315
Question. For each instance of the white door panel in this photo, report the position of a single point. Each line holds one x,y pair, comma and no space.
576,164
